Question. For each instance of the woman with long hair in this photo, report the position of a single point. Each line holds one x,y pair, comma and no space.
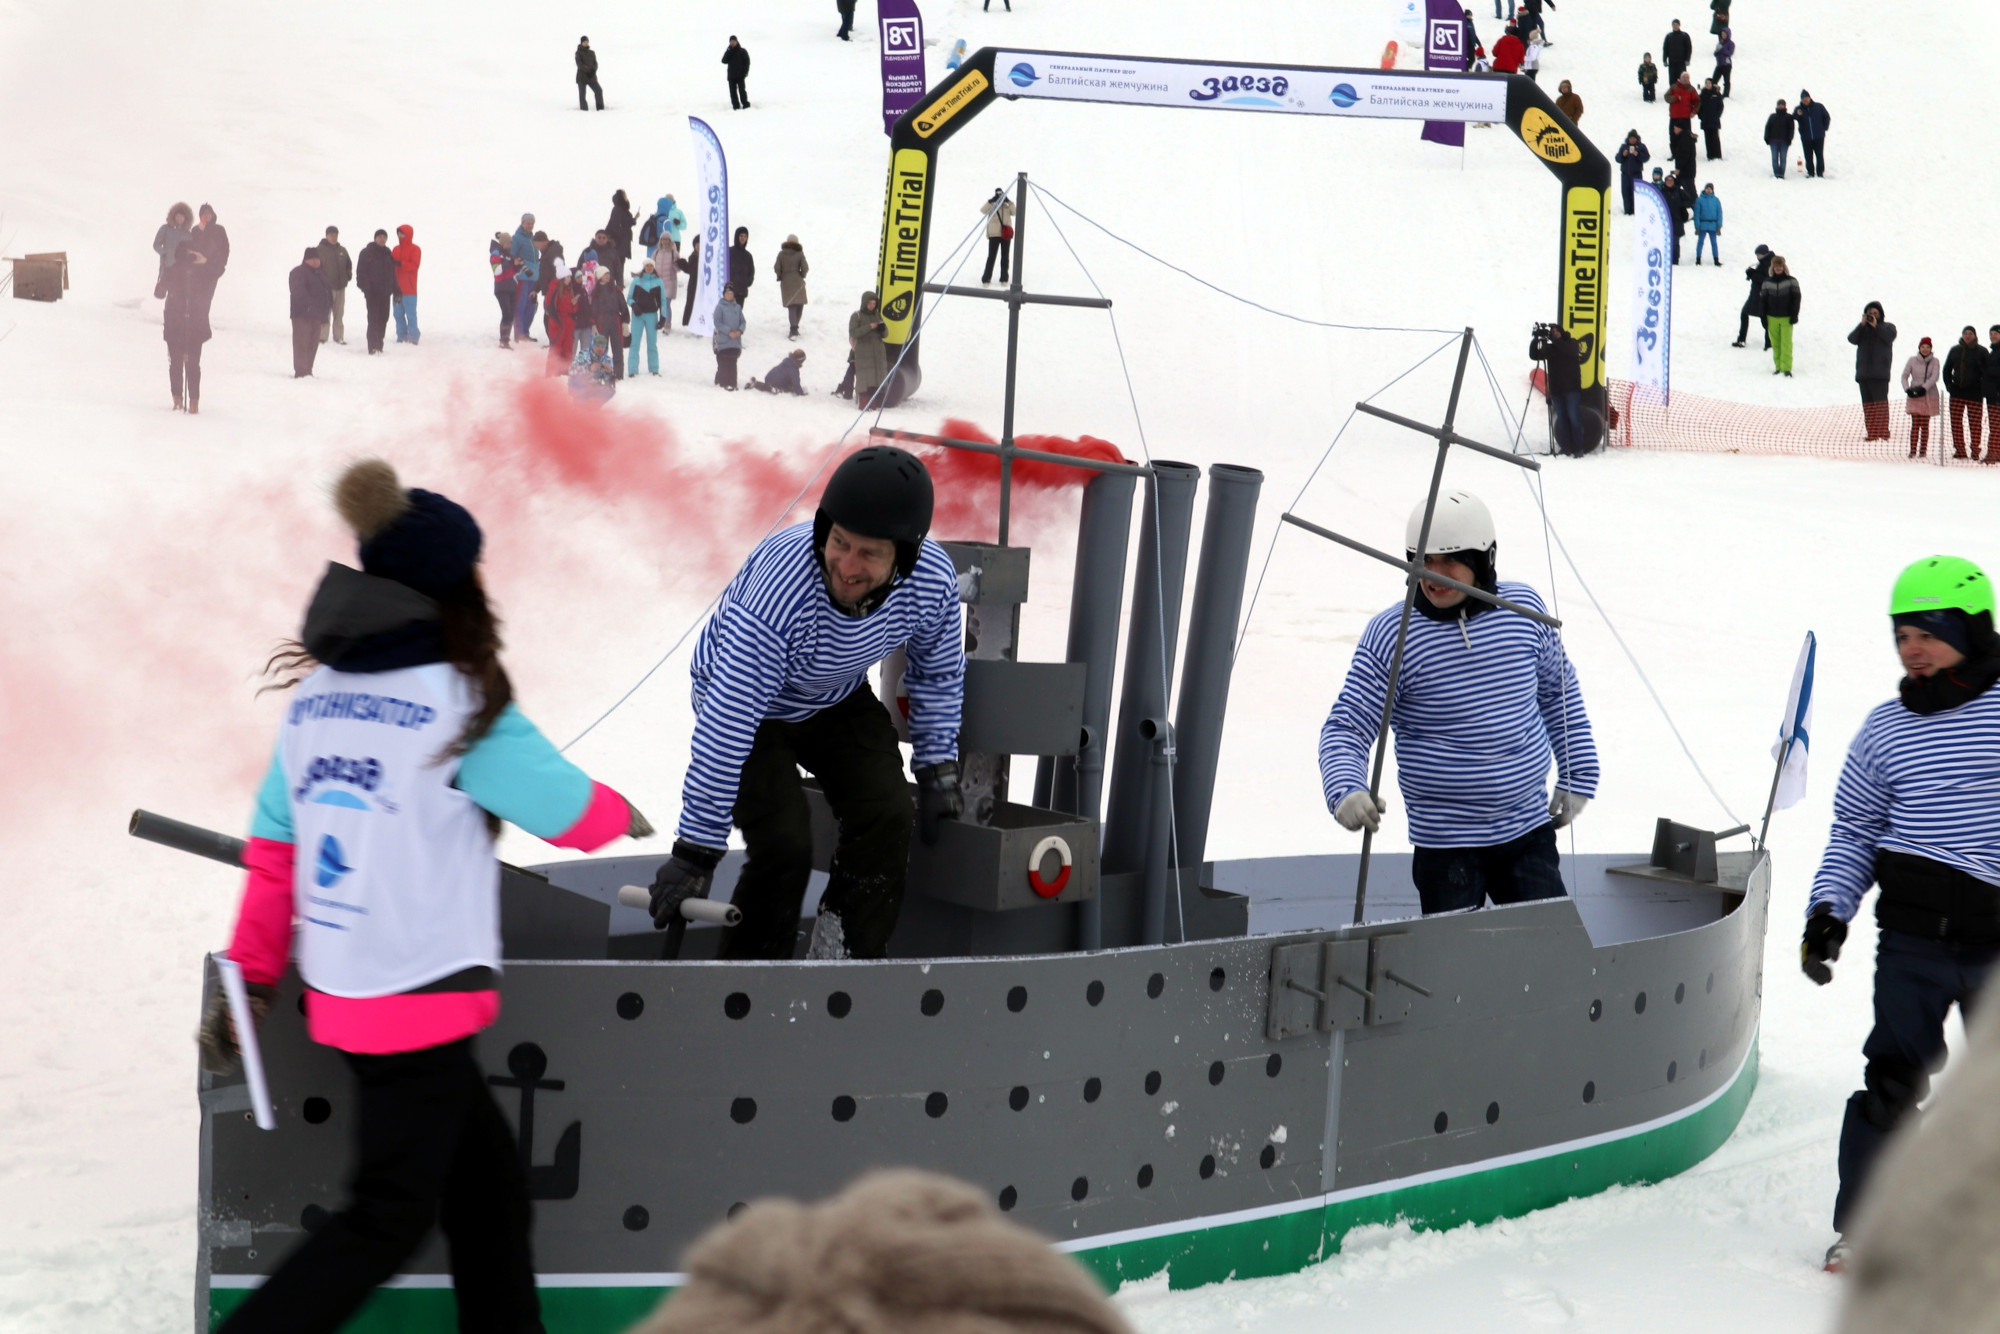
399,755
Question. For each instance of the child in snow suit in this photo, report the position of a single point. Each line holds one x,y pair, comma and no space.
647,303
783,378
1649,77
1781,311
1920,391
1708,224
387,865
1907,817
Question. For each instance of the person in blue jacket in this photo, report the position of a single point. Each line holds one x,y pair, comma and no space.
370,866
781,681
647,303
1915,813
1813,118
1485,698
661,238
1707,223
522,246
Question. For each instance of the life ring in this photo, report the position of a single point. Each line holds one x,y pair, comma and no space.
1048,889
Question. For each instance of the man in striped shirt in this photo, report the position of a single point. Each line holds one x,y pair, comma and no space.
1917,812
781,681
1484,698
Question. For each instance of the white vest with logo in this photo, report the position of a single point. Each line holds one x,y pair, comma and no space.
396,885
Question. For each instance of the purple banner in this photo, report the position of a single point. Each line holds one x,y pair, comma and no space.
1444,49
902,29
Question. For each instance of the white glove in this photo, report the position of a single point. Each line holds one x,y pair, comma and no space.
1565,807
1358,808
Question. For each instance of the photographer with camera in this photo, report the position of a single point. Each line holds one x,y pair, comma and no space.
1551,343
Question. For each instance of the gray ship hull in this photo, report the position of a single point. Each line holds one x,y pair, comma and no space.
1224,1107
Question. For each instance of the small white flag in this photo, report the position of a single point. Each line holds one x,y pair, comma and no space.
1795,733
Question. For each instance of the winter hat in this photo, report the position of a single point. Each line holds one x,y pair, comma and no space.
1923,342
312,252
208,211
562,269
1763,250
793,239
897,1252
418,538
1950,624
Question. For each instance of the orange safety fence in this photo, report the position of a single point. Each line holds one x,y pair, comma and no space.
1697,424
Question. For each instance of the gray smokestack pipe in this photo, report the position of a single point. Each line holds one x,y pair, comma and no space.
1097,598
1149,658
1218,604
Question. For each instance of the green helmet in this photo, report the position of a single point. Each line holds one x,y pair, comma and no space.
1938,583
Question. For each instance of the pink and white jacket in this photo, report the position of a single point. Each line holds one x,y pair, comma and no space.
394,912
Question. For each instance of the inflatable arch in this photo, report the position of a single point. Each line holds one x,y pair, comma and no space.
1309,90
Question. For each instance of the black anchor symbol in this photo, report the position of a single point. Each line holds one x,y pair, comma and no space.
557,1180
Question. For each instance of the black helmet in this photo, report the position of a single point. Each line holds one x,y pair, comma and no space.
879,491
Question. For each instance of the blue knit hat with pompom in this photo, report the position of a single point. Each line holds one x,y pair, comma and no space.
416,537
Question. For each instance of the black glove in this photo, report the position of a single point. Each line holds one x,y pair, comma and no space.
1824,934
938,798
685,875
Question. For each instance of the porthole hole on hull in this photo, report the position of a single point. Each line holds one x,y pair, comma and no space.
743,1111
1017,999
843,1108
1216,1071
1673,1070
1268,1157
1145,1175
936,1105
313,1217
631,1005
1441,1124
1092,1088
636,1218
1017,1097
1217,979
1590,1091
1680,992
1079,1188
838,1004
1207,1166
1639,1003
1152,1082
1094,993
316,1110
1156,984
736,1005
1492,1113
932,1002
1273,1065
1596,1010
1008,1198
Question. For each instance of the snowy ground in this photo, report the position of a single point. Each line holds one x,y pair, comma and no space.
150,561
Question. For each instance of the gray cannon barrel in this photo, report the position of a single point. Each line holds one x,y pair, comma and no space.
1149,658
186,837
1097,599
1211,651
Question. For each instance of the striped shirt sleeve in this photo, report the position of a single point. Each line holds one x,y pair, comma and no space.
1352,724
745,672
936,673
1559,695
1861,807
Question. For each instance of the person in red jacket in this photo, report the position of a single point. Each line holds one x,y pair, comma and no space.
1509,52
407,256
1682,99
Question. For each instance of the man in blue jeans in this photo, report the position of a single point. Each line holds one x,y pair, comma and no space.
1914,814
1778,135
1484,699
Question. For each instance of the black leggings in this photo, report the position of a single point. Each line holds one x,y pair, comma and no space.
431,1148
184,369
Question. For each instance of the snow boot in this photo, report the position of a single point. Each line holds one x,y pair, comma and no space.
194,407
1836,1257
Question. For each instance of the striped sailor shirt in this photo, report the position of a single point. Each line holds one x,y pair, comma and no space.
1481,705
778,647
1924,784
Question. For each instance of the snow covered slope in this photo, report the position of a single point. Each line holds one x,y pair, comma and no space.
149,561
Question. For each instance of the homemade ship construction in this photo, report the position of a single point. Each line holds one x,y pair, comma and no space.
1160,1062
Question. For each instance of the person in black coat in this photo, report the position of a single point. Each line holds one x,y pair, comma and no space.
846,8
690,264
375,275
1680,147
1964,379
1813,118
1874,342
1565,388
1677,49
1680,203
1710,113
1778,135
613,318
312,303
1632,159
1990,383
185,327
736,57
742,268
1754,303
586,74
619,230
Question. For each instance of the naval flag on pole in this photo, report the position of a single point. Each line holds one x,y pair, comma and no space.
1788,785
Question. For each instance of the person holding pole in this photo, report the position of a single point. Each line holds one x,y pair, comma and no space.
1483,698
370,861
1914,813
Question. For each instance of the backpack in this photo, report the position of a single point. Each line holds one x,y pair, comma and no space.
649,235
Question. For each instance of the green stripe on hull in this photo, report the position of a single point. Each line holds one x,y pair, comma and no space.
1257,1248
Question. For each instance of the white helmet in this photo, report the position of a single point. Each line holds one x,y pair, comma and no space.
1461,523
